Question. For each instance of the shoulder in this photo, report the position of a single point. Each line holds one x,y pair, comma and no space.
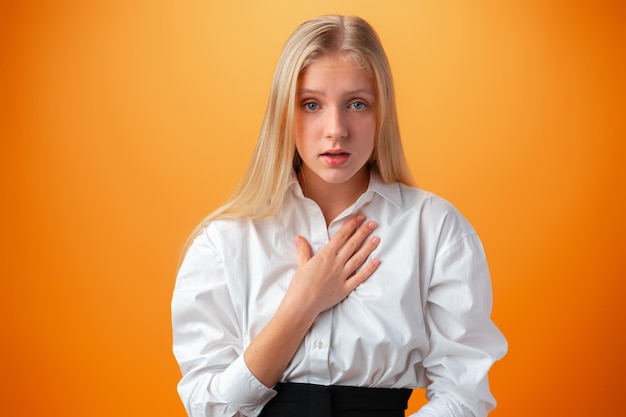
439,222
413,200
431,206
222,231
211,238
209,250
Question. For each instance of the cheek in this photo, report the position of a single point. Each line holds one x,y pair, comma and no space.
300,142
305,133
305,124
301,126
367,130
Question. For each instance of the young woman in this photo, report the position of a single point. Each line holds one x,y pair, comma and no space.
328,285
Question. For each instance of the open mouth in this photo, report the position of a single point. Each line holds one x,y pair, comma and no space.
335,154
335,158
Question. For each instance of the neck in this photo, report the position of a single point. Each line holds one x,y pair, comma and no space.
333,198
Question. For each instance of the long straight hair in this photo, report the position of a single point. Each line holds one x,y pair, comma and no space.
261,190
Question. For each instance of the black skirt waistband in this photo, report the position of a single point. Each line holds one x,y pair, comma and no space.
336,401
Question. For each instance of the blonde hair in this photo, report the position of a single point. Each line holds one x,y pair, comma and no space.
261,191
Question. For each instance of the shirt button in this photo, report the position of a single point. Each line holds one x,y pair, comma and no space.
319,344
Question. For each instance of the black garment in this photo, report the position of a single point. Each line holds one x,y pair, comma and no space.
307,400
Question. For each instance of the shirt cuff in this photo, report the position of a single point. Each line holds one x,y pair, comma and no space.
439,406
242,391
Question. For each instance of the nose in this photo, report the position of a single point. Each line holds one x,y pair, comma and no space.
336,126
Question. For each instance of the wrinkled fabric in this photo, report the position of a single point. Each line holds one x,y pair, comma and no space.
421,320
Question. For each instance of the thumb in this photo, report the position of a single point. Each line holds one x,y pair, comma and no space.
303,248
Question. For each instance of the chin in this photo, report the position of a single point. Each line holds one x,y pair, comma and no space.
337,179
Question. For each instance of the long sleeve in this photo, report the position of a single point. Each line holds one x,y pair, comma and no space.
440,406
421,320
207,340
464,342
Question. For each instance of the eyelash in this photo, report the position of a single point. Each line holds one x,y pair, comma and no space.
359,102
308,104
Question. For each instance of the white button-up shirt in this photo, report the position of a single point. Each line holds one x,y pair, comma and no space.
421,319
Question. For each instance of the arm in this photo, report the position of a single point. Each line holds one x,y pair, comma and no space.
464,342
221,376
207,338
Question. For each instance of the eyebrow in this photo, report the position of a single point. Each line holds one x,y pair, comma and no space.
347,93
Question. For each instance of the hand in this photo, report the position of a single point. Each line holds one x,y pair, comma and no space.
324,280
320,282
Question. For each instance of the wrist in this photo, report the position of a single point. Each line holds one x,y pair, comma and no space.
300,314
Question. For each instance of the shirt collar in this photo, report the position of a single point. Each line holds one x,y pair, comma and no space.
389,191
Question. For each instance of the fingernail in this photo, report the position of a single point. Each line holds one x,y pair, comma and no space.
296,240
371,225
360,217
375,240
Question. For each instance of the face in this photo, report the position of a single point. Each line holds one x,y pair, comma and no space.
335,121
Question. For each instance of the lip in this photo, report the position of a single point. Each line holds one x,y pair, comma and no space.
335,151
335,157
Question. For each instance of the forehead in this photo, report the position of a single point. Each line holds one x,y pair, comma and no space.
335,72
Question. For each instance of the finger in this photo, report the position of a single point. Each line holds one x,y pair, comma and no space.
304,250
345,233
361,276
355,243
358,258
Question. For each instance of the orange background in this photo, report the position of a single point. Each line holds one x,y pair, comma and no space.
125,122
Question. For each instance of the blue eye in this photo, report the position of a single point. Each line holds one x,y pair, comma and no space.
358,105
311,106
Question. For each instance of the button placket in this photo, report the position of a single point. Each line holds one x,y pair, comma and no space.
318,342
